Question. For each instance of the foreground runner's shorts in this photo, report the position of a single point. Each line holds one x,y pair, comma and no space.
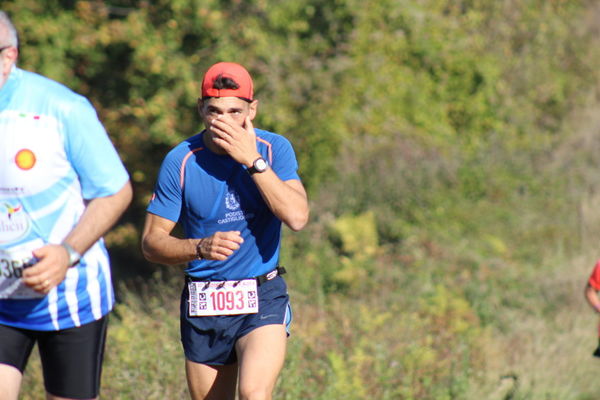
71,358
211,339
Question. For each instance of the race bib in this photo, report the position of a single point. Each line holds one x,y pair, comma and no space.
12,262
223,298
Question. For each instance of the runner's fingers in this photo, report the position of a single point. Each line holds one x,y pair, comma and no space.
227,244
231,235
219,133
31,272
42,282
46,286
44,264
215,255
220,245
248,124
229,127
40,285
219,238
37,277
31,280
220,130
219,253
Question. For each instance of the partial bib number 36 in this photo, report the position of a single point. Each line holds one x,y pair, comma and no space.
12,263
14,268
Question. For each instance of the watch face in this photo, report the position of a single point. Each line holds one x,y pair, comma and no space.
260,165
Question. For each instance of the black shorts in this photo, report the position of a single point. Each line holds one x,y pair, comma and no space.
71,358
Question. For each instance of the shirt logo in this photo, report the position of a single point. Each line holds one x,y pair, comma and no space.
14,222
25,159
232,200
234,214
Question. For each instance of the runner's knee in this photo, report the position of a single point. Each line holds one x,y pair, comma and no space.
255,393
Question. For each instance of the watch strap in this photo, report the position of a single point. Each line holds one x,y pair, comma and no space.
74,256
199,250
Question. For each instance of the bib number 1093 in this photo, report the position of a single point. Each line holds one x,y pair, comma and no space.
223,298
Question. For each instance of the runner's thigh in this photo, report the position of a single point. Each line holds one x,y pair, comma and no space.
15,346
72,360
261,355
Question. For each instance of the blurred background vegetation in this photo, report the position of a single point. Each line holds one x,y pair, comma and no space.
450,150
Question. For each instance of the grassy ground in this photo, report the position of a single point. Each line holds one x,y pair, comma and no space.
368,348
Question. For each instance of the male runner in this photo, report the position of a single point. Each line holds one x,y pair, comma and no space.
62,186
230,187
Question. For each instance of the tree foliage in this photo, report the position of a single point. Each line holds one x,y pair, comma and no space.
448,74
430,129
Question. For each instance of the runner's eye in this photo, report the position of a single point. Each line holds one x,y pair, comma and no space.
212,111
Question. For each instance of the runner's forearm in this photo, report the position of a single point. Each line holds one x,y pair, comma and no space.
99,216
166,249
287,200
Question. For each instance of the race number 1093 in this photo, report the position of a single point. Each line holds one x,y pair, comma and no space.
228,300
223,298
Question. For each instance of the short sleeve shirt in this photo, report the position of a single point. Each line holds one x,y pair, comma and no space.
55,154
206,192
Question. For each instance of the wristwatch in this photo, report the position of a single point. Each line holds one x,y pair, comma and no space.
199,250
259,165
74,256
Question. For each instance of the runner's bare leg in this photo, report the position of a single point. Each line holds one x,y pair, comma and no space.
10,382
211,382
261,354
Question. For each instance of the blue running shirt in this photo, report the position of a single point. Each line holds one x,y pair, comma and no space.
206,192
54,153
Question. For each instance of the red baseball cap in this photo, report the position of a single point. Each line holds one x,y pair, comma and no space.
233,71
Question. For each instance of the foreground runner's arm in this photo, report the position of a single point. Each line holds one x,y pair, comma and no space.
287,200
99,216
158,245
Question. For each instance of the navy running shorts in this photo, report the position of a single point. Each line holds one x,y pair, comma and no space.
211,340
71,358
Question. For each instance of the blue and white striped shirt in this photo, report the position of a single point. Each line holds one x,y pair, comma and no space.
54,154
